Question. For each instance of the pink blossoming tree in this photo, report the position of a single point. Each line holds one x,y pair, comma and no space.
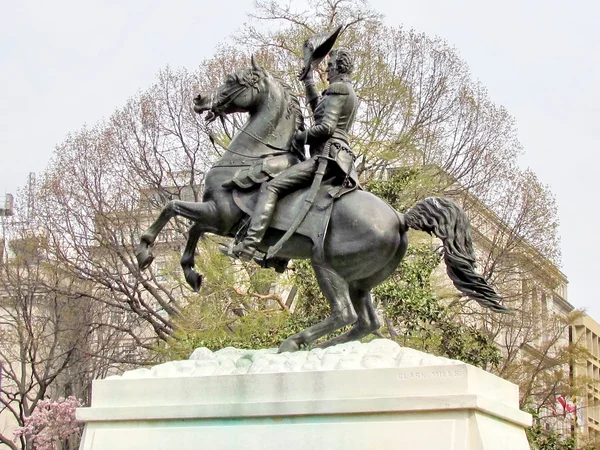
52,423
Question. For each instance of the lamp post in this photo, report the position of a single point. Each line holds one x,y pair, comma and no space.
6,210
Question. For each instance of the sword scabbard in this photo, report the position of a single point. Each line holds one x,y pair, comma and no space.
308,202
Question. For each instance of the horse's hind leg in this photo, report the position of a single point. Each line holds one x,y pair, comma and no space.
203,213
366,323
360,293
336,291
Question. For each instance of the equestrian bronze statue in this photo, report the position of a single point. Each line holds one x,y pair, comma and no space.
273,200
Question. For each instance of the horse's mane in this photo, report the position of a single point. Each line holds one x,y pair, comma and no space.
249,77
293,101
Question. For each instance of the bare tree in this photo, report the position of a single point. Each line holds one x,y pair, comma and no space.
52,341
106,184
418,108
418,105
103,188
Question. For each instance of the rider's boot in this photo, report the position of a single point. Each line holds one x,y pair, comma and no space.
259,222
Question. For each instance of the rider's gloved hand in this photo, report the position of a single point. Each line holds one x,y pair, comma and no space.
300,139
309,80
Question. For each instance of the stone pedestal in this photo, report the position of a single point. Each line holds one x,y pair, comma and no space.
352,396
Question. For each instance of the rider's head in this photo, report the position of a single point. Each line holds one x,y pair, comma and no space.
340,63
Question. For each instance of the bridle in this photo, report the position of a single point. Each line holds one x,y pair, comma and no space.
228,100
233,95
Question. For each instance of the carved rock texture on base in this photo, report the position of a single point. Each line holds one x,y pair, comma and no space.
379,353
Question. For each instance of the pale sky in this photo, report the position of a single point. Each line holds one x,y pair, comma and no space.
64,64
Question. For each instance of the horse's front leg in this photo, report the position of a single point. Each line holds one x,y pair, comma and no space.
193,278
205,214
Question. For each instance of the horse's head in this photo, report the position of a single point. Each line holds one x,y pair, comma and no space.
240,92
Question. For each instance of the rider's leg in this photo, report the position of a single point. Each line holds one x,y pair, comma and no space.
287,181
259,222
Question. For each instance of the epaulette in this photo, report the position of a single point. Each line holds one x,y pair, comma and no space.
339,88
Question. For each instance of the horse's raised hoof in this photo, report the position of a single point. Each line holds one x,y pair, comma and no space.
194,279
144,256
289,345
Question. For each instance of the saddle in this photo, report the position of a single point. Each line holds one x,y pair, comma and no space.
314,226
245,187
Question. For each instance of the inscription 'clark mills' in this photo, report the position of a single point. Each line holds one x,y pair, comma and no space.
436,374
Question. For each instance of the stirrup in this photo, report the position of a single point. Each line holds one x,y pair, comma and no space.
238,250
227,250
244,252
279,264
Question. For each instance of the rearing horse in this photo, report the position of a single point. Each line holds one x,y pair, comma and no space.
366,238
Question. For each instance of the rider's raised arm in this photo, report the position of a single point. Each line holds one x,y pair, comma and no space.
332,106
312,93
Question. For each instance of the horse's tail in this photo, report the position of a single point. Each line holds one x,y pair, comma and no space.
447,221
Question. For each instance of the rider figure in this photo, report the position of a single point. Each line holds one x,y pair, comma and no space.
334,112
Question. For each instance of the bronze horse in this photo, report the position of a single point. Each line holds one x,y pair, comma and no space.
366,238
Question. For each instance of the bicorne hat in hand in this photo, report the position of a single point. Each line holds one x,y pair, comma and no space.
316,48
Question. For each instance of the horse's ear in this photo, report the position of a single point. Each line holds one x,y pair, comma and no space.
255,66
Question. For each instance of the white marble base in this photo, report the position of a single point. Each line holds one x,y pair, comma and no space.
329,400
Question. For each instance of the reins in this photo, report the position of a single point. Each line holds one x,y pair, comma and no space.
259,156
256,138
280,151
